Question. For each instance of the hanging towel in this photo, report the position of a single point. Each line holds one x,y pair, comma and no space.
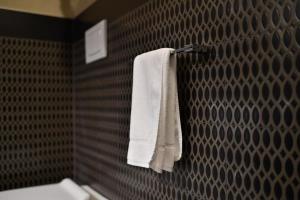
168,145
155,130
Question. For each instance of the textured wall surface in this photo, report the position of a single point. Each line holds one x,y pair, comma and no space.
35,112
240,108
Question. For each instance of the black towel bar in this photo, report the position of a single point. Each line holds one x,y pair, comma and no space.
193,48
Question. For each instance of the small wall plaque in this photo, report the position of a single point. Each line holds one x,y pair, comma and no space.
96,42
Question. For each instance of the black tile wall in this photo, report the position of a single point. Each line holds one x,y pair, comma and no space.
35,112
240,107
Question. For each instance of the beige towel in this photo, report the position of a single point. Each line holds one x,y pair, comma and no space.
169,137
155,131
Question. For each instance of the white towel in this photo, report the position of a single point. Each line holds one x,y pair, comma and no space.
155,130
168,149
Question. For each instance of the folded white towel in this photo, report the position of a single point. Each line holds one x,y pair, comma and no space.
155,131
168,144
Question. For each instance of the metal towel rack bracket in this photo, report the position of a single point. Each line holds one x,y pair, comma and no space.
193,48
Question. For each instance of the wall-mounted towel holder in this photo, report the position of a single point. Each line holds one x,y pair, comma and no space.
193,48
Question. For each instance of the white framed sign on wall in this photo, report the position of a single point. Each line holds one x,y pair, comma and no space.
96,42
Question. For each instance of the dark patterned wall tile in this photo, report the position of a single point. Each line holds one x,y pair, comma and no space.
239,105
35,112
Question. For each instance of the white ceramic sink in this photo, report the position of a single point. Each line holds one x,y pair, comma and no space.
65,190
